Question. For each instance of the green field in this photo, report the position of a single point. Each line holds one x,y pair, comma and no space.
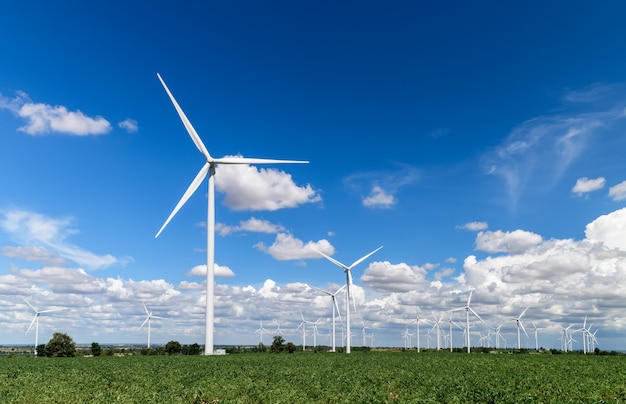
361,377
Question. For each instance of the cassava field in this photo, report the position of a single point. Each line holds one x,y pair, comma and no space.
361,377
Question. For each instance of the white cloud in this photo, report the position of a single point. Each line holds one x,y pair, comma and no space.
219,271
130,125
287,247
510,242
38,231
609,229
36,254
618,192
474,226
42,118
379,198
585,185
250,188
387,277
251,225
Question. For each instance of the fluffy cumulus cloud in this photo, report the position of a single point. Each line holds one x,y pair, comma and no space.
509,242
219,271
287,247
610,230
387,277
251,188
47,237
559,281
585,185
378,198
43,119
618,192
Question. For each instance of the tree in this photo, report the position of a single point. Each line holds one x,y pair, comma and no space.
60,345
173,348
278,345
291,347
96,350
41,349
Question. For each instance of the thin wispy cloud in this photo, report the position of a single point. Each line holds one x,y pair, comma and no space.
49,238
537,153
252,225
474,226
43,119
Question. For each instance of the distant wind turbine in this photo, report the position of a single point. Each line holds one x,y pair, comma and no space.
208,169
467,309
334,307
518,323
36,321
417,327
149,317
347,269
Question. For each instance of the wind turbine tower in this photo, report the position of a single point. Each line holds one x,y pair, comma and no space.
208,170
347,269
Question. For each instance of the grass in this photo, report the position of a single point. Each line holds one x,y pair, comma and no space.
361,377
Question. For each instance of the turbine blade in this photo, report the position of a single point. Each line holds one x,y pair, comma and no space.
523,329
146,309
322,290
247,160
476,314
144,321
337,307
31,306
50,310
192,188
192,132
469,298
31,323
339,290
334,261
357,262
524,312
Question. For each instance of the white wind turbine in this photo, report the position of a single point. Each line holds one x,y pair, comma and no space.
36,321
467,309
536,336
149,317
335,306
262,330
417,327
406,336
518,323
347,269
208,169
438,327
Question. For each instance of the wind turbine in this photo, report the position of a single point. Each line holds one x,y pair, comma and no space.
347,269
518,322
208,169
36,321
335,306
406,336
262,330
467,309
148,320
536,336
417,327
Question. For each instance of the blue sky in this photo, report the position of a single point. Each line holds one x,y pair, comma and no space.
481,144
